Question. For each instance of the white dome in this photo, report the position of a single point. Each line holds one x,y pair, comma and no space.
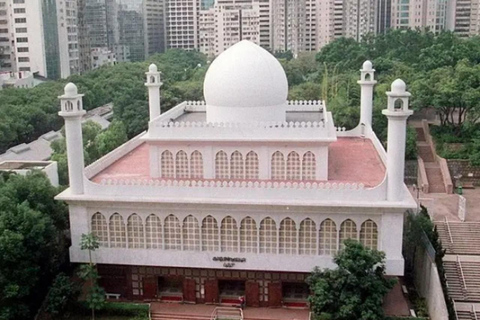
153,68
71,89
367,66
245,76
399,86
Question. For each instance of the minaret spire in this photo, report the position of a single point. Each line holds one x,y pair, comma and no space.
72,111
153,83
366,83
397,113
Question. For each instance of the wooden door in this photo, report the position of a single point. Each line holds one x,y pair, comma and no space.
150,287
211,291
275,294
252,291
189,290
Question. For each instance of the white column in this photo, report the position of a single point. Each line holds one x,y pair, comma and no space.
73,135
366,83
390,241
153,84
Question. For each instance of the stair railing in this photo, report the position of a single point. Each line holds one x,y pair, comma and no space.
461,272
474,311
448,229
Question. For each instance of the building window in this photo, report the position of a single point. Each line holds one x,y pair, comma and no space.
268,236
24,69
293,166
328,238
23,59
135,232
278,166
229,235
196,165
19,10
172,233
118,238
307,237
22,49
348,230
248,235
21,40
153,230
21,30
100,229
168,170
236,166
18,1
191,234
221,165
251,166
309,166
209,234
181,165
20,20
288,237
369,234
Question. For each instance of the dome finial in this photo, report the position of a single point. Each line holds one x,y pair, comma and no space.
367,66
399,86
71,89
153,68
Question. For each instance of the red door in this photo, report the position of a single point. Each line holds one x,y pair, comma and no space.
275,294
252,291
150,287
211,291
189,290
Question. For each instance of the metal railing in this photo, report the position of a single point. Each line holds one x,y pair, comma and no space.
474,312
226,313
448,229
461,272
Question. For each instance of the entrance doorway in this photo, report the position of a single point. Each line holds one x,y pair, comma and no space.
231,290
170,289
295,294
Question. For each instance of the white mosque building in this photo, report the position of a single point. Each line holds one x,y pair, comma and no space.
243,194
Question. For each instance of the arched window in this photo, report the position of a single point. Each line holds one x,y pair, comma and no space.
152,79
328,238
248,235
100,229
153,230
236,166
309,166
209,234
181,165
166,162
191,234
196,165
118,238
307,237
172,233
136,237
229,235
278,166
221,165
288,236
348,230
268,236
251,166
398,105
369,234
367,77
293,166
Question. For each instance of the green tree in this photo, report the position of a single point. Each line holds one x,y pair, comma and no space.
32,242
112,138
354,290
62,294
96,295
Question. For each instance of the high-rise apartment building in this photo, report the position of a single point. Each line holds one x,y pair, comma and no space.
182,24
384,15
227,23
39,36
288,25
359,18
84,47
155,26
423,14
463,17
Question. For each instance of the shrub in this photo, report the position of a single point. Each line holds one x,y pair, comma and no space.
61,295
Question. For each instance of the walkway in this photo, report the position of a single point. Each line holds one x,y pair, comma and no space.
432,166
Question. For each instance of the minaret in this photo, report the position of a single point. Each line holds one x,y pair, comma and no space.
366,83
72,111
397,113
153,83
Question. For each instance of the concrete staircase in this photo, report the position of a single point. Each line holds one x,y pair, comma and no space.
465,238
432,166
176,316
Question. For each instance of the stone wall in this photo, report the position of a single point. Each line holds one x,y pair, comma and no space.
469,173
411,168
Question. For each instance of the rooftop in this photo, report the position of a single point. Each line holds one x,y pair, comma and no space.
351,160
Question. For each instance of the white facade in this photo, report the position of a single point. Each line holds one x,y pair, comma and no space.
101,57
359,18
67,22
16,80
182,24
279,195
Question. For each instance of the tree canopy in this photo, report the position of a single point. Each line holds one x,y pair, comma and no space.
355,290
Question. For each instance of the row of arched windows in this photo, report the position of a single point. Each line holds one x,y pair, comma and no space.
236,167
171,234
